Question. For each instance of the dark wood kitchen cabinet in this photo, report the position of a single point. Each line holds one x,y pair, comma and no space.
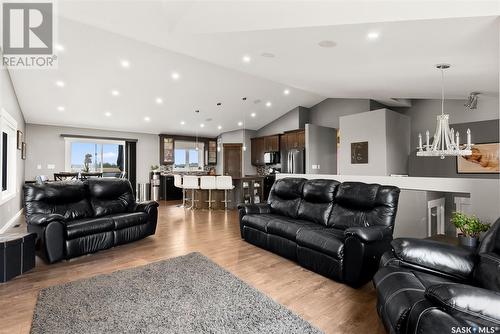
272,143
257,151
168,191
212,152
294,139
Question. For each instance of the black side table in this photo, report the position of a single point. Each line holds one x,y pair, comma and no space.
17,254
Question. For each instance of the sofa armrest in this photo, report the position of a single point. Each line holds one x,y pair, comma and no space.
40,219
369,234
249,209
145,206
453,261
466,300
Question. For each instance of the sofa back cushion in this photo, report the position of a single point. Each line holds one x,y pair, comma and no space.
285,196
67,198
359,204
109,196
317,200
487,270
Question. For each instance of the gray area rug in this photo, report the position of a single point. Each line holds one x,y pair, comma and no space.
187,294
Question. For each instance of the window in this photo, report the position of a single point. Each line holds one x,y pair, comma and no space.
8,156
93,155
187,157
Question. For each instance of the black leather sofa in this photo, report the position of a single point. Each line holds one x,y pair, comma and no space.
76,218
425,286
339,230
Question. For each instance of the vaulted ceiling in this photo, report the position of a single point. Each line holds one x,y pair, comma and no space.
146,66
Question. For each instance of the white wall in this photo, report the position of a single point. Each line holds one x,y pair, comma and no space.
398,142
8,101
292,120
46,146
236,137
321,149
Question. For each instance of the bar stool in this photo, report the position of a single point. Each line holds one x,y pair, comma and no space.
190,182
178,184
208,183
225,183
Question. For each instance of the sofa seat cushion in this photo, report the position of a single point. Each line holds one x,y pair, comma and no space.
259,221
289,227
124,220
87,226
329,241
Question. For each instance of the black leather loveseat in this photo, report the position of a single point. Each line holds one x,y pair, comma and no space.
76,218
339,230
425,286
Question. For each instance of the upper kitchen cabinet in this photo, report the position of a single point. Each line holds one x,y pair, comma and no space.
272,143
166,150
212,152
258,150
294,139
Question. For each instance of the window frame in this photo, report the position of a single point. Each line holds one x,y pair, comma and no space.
201,156
70,140
7,122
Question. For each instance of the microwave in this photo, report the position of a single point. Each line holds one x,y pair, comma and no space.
271,158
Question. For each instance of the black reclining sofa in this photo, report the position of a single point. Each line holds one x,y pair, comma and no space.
425,286
339,230
75,218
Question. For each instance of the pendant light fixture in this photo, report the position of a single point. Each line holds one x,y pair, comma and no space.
445,142
244,117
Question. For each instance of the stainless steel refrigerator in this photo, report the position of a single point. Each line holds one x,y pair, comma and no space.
293,161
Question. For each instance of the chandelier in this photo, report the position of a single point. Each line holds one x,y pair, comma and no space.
445,142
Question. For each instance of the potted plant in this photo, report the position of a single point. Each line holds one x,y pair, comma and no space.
470,226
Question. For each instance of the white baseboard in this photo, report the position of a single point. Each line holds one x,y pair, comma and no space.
11,221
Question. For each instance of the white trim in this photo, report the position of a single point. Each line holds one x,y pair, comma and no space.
7,121
11,221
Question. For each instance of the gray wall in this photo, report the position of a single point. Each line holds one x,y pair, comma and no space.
236,137
46,146
321,149
8,101
483,123
327,112
292,120
398,142
368,126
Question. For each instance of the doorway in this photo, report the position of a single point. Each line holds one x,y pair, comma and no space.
232,159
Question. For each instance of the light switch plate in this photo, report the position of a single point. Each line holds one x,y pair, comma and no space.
38,166
51,166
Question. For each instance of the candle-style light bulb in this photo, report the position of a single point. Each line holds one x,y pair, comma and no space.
427,139
420,142
468,139
457,140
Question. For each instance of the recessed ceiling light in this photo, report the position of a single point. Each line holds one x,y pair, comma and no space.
286,92
268,55
107,114
219,127
125,63
240,123
60,83
114,92
182,122
175,75
268,104
219,104
373,35
253,114
246,59
59,47
202,125
327,44
60,108
159,100
147,118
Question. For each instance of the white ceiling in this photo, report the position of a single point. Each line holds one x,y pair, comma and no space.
204,42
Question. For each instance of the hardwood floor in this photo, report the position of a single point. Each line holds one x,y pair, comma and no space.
330,306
